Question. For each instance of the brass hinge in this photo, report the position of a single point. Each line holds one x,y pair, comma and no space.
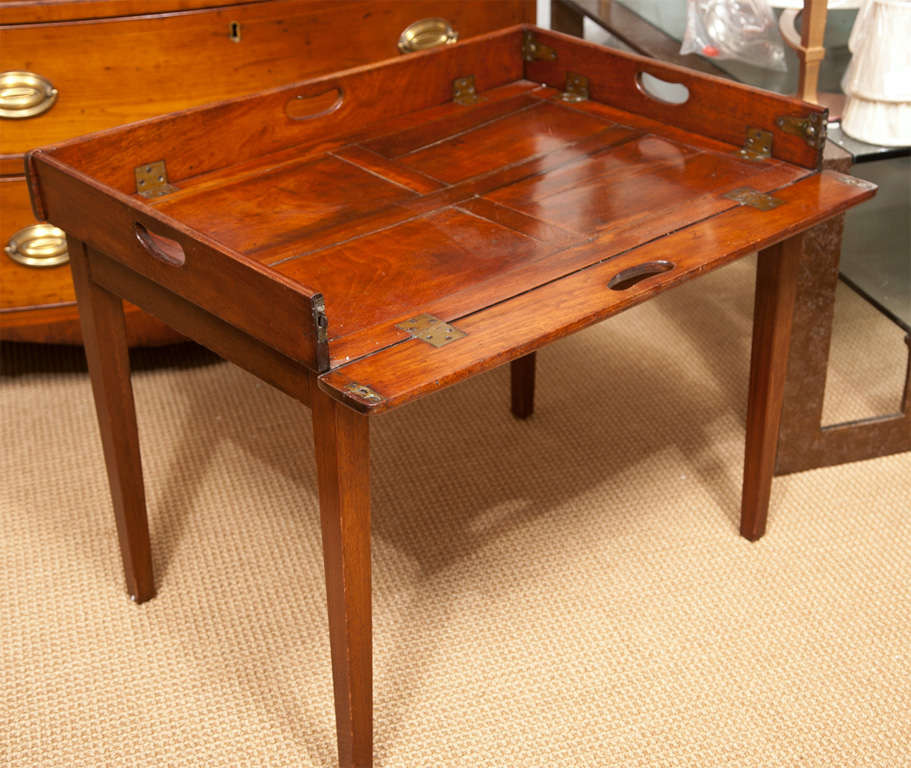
319,318
431,330
754,198
532,49
758,145
812,128
463,91
576,87
854,181
363,393
152,180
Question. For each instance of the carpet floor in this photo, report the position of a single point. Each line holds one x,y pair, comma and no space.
566,591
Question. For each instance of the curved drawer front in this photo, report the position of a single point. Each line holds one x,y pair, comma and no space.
37,304
106,72
89,75
33,270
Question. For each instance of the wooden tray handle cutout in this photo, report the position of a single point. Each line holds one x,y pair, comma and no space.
309,107
632,275
662,90
162,248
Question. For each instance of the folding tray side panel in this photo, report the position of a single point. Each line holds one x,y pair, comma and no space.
720,109
279,312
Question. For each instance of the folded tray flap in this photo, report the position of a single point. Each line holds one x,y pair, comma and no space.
404,371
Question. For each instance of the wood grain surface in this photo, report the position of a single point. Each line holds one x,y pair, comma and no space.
510,329
321,253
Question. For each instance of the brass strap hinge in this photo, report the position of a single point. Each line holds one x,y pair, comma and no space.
320,321
532,49
464,91
363,393
754,198
854,181
576,87
758,145
152,180
812,128
431,330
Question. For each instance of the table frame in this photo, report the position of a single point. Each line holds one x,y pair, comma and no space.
341,445
122,248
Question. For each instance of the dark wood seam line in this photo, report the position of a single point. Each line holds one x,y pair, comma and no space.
473,180
469,130
582,238
384,159
31,307
374,173
527,92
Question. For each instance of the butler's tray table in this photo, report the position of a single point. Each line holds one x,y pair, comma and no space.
366,238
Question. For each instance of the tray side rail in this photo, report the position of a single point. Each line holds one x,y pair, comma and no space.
323,110
714,107
275,310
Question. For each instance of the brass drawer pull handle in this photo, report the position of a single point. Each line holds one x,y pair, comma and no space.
427,33
162,248
40,245
628,277
25,94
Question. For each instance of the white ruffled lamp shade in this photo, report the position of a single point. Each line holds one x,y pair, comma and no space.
878,80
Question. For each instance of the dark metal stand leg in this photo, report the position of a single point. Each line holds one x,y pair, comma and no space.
804,443
104,334
566,19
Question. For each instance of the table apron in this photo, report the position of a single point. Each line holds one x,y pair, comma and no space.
215,334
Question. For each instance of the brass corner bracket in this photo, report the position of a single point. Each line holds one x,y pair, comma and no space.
152,180
464,91
811,128
576,88
532,49
758,145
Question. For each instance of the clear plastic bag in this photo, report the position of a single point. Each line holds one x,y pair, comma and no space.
734,29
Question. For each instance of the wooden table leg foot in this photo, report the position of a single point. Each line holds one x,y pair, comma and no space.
776,288
342,442
104,334
522,385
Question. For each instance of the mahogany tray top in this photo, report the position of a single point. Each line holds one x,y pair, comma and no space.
365,238
395,201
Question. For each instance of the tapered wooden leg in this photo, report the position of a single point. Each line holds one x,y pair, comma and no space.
776,288
522,385
104,335
342,458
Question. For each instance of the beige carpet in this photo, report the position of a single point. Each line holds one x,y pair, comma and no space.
570,591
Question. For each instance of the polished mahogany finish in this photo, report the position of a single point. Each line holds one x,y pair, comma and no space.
365,239
117,61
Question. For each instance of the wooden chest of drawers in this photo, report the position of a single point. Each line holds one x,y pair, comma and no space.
70,68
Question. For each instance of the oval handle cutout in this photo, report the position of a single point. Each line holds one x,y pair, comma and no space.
162,248
662,90
627,278
303,107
